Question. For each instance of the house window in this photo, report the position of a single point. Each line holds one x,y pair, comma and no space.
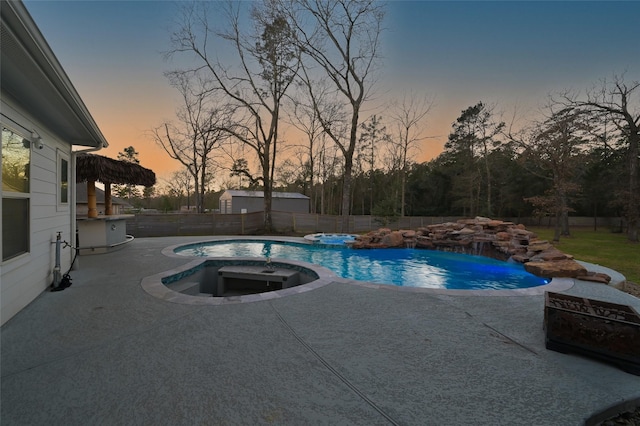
16,164
63,188
15,227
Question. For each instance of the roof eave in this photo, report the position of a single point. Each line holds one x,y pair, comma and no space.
17,19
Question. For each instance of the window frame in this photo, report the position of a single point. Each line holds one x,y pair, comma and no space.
60,158
20,196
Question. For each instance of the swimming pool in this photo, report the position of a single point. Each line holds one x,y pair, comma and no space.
399,267
333,239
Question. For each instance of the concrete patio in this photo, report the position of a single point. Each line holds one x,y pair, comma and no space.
104,351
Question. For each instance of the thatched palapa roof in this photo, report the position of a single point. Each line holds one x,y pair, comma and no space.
96,168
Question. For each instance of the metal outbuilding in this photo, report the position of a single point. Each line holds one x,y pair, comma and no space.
237,201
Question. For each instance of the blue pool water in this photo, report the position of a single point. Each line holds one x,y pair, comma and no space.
336,239
400,267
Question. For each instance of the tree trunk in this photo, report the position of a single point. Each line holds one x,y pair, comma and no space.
634,185
488,171
196,192
565,224
557,228
346,194
268,194
403,183
203,175
564,215
268,220
312,189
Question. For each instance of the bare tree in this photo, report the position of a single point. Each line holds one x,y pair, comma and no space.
339,41
305,119
552,148
199,131
177,186
409,115
328,167
265,65
619,103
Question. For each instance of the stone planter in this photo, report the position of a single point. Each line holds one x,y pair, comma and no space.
602,330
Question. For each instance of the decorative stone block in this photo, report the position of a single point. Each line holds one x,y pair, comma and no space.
562,268
594,328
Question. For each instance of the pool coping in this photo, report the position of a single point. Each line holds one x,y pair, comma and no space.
154,286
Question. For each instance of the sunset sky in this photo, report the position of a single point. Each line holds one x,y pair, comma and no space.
459,53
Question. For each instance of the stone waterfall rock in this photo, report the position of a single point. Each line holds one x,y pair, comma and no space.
486,237
559,268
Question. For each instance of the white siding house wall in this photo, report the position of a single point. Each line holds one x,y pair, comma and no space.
24,277
37,96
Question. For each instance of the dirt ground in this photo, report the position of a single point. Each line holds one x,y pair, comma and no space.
631,418
631,288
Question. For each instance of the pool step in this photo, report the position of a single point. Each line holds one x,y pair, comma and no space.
188,287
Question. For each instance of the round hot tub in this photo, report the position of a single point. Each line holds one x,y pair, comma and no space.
331,239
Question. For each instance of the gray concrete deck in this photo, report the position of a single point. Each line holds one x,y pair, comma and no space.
104,351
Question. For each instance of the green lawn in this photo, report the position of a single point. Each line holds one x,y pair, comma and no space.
602,247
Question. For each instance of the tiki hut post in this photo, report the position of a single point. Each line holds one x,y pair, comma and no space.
91,199
107,199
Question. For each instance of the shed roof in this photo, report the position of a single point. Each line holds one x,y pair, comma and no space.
260,194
